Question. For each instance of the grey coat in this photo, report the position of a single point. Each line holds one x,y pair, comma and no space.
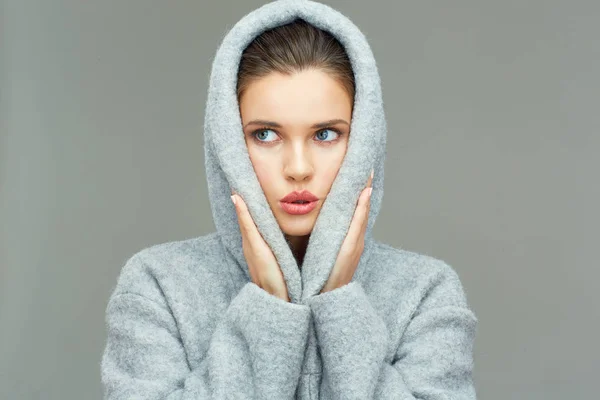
185,321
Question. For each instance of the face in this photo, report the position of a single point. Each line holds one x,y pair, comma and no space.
296,129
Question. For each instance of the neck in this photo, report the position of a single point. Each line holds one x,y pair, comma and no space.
298,245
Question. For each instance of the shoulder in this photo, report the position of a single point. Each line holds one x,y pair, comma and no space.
178,261
186,252
410,262
431,281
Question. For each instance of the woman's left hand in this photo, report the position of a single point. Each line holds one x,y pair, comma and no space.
354,243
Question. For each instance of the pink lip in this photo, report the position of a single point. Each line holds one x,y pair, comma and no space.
309,199
298,209
305,195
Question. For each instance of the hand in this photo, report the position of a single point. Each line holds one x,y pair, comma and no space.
262,264
354,243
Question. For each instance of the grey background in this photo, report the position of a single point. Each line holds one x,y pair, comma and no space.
492,166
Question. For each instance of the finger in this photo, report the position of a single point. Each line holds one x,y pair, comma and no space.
370,185
367,208
245,219
237,200
358,219
367,211
370,180
239,209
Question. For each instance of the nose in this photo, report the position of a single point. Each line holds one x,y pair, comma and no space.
298,163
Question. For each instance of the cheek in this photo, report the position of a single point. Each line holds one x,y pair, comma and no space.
265,169
330,163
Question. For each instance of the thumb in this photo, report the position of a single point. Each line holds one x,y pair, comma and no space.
244,219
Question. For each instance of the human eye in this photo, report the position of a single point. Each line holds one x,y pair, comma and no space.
336,135
260,136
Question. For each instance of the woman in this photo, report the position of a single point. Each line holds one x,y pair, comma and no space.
286,300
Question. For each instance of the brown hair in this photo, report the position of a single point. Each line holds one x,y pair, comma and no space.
291,48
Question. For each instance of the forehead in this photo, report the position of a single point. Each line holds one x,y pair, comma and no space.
300,98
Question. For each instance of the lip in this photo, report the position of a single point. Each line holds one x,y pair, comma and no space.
305,195
299,209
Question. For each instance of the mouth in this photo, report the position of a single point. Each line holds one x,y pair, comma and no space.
298,207
299,203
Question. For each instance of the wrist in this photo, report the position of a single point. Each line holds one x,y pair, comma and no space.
329,287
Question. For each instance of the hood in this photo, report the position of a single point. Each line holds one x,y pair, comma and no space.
228,164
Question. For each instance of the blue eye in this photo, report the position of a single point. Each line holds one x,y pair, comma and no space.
325,130
260,135
324,135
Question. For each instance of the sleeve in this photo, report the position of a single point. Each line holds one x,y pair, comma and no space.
433,361
255,352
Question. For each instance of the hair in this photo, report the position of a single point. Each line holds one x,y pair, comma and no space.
294,47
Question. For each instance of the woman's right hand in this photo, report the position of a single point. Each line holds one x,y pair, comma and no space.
262,264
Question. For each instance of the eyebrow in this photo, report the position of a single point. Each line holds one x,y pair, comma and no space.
317,125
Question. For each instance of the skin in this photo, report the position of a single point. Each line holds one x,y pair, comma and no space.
289,153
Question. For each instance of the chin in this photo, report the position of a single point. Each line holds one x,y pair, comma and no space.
296,226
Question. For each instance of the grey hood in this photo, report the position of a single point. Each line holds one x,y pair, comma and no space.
228,164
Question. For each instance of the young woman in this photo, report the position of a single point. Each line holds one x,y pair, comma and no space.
287,300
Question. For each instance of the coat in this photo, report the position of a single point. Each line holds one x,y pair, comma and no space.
185,321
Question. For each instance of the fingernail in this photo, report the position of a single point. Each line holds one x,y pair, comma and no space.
372,173
233,198
370,191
